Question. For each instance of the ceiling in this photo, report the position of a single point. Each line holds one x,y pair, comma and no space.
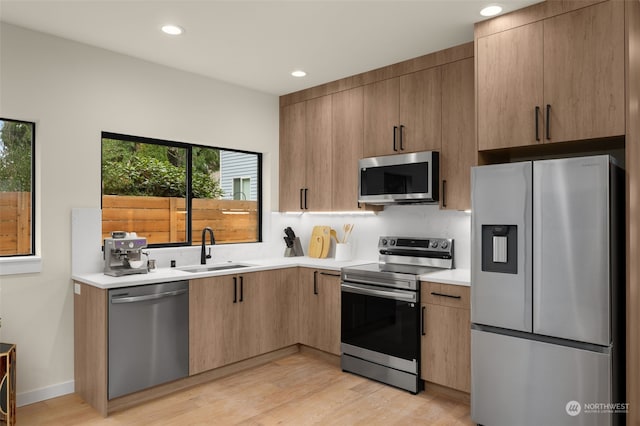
257,44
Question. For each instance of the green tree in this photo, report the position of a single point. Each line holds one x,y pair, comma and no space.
15,155
132,168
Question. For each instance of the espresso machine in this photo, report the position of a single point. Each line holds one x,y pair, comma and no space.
123,254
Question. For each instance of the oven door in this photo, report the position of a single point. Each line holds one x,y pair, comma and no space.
380,324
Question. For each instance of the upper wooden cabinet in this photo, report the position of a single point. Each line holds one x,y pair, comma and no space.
403,114
305,155
554,80
292,156
458,152
317,189
346,147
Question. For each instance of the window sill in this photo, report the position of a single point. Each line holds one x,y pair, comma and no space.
20,265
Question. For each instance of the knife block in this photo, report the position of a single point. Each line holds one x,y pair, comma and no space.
294,251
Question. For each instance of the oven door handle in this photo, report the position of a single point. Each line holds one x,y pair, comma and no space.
368,291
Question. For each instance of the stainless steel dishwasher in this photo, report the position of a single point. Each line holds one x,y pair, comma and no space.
148,336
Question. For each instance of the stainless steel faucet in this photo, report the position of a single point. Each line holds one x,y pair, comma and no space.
203,255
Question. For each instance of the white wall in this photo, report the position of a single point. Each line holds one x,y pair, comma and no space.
73,92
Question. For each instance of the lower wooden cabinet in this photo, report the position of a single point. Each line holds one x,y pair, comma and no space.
446,335
320,309
235,317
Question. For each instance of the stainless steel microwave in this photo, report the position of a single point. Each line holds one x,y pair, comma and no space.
399,179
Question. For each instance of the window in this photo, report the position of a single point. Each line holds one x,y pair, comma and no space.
17,145
241,188
168,192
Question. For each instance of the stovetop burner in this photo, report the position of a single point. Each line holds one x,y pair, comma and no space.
402,260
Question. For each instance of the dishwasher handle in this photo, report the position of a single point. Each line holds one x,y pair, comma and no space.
133,299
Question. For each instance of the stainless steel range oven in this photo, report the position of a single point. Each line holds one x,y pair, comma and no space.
380,322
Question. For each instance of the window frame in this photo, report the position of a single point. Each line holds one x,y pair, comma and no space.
189,174
33,251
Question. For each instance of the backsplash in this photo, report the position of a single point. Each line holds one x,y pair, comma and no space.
406,220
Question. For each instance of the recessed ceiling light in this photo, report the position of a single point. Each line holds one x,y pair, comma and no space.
491,10
172,29
298,73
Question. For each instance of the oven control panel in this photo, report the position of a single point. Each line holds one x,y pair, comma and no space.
407,245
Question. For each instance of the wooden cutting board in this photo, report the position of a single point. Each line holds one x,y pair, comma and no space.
320,241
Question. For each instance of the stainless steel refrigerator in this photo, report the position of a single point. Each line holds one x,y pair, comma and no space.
547,288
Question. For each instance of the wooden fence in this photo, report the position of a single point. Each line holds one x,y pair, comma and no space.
15,223
163,219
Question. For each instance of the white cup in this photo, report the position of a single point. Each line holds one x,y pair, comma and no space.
343,251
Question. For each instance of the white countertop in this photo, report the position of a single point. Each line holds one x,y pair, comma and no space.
98,279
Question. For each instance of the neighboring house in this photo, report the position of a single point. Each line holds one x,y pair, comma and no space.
238,176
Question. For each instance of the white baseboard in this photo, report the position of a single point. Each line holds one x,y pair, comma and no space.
37,395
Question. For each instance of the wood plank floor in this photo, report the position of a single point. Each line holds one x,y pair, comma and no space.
296,390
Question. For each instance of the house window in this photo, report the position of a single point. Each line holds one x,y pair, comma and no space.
168,192
241,188
17,145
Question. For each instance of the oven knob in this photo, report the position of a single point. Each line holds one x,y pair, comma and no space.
434,244
384,242
392,242
444,245
131,244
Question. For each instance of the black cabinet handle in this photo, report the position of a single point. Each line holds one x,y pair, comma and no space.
445,295
301,198
422,321
305,198
395,131
401,132
537,112
547,123
330,274
235,290
444,193
241,288
315,282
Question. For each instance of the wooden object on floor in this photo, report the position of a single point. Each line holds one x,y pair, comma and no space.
7,384
297,389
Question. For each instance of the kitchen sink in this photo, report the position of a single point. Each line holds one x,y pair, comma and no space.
212,268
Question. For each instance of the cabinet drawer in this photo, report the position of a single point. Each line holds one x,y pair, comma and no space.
455,296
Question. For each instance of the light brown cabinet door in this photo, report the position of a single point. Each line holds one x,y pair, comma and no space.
320,309
584,73
458,153
292,156
381,117
510,87
318,154
420,111
278,310
213,322
446,353
346,146
224,319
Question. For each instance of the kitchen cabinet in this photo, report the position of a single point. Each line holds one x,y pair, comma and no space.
223,321
320,309
554,80
458,153
446,335
347,133
292,156
235,317
318,178
403,114
305,155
